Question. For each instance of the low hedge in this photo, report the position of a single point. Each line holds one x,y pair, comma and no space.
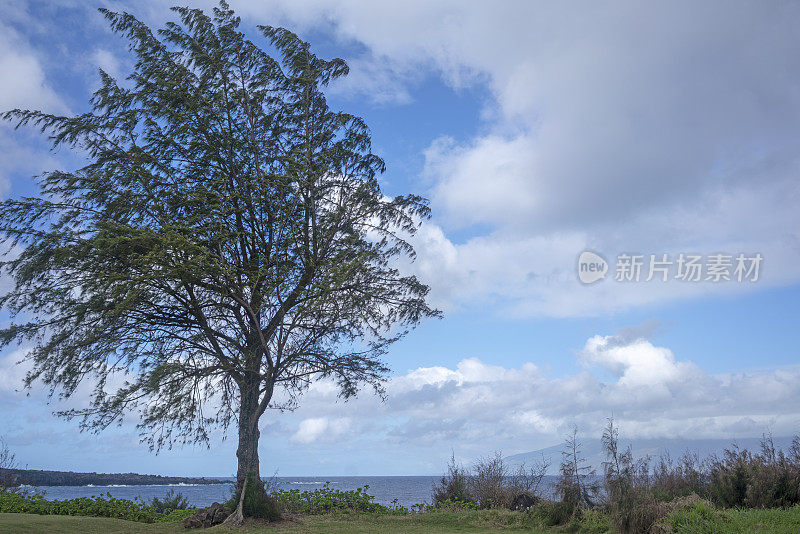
108,506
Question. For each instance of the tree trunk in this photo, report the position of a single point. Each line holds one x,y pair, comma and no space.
247,452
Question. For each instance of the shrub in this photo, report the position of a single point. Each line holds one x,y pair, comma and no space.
525,479
171,501
487,485
453,485
575,485
688,476
692,515
769,478
730,477
492,483
774,476
257,502
326,499
553,513
631,504
589,521
108,506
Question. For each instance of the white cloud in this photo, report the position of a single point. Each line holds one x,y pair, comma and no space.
106,60
648,389
476,406
321,429
24,82
12,372
637,363
25,86
653,128
641,128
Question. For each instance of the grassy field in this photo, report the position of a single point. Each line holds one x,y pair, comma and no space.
356,524
693,521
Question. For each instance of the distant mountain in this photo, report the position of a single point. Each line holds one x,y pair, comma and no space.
35,477
592,450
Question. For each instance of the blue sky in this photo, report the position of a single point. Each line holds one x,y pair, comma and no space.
538,132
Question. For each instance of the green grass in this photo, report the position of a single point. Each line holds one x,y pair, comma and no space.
57,524
696,519
702,519
446,522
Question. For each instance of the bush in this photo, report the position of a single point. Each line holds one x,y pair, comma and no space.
453,485
257,503
769,478
553,513
692,516
108,506
636,510
631,504
487,485
576,485
327,500
688,476
775,477
490,484
171,501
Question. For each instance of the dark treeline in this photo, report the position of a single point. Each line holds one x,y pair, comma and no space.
35,477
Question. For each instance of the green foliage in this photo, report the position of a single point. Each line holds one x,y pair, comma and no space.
687,476
490,483
590,521
107,506
576,485
453,506
700,516
171,501
452,488
326,500
257,502
553,513
767,478
228,234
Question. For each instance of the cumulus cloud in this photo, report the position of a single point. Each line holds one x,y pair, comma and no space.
321,429
650,391
630,127
25,84
478,406
626,128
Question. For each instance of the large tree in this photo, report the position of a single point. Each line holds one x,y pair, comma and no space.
226,243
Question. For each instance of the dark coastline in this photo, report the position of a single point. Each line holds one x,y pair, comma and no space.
36,477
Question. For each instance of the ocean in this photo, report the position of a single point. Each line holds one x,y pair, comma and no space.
408,490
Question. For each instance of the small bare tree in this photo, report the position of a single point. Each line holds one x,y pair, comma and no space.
576,484
528,479
8,480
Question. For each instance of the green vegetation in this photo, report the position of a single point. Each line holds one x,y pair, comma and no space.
700,518
326,500
739,491
171,501
491,483
13,502
256,503
228,234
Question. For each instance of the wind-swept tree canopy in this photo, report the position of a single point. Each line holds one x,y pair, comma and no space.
226,240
